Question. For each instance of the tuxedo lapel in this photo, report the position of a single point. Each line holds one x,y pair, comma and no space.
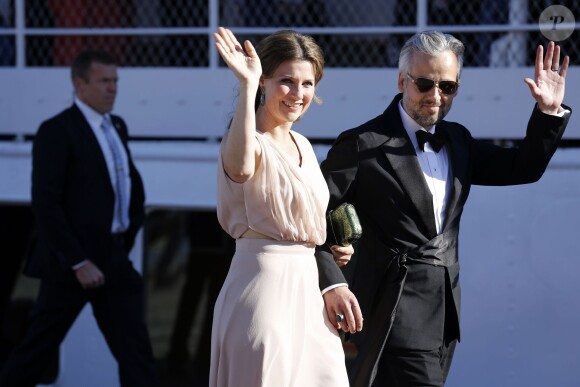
402,157
457,156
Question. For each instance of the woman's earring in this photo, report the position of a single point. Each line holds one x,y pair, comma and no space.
262,98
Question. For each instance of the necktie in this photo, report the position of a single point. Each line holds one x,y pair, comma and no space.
436,140
121,205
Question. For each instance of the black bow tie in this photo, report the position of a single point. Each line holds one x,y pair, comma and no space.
436,140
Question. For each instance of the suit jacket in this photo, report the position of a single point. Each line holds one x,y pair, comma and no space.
73,198
375,167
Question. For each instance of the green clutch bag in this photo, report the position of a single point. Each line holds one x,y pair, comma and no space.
343,225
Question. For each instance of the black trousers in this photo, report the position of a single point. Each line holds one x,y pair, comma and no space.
118,307
426,359
415,368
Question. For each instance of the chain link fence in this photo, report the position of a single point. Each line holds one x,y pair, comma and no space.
177,33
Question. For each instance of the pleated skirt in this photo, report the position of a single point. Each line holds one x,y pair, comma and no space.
270,327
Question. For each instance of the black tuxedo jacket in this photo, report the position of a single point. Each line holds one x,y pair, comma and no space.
73,198
375,167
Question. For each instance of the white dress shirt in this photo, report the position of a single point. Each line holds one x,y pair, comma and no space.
435,166
95,120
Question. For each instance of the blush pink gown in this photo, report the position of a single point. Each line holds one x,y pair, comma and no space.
270,327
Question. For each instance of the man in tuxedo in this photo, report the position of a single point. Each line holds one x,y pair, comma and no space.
409,195
88,203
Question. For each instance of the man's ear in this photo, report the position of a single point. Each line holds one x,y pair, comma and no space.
78,83
401,82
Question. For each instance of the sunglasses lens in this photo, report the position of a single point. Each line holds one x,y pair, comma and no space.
448,87
424,84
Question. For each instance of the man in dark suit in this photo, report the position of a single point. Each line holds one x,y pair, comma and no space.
88,202
410,196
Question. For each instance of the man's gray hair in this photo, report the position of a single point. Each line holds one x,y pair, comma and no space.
432,43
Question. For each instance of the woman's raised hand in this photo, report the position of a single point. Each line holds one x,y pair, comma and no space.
245,64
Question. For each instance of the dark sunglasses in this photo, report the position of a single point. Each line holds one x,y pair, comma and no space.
426,84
